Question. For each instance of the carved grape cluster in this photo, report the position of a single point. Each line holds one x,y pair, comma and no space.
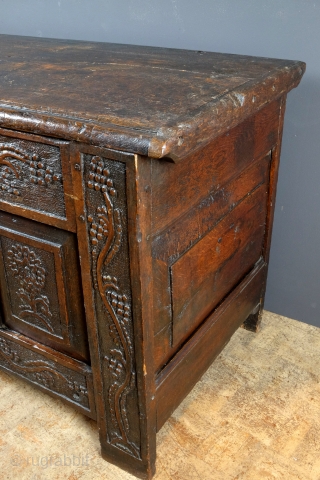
8,351
116,368
119,304
42,174
122,310
26,266
100,229
6,184
45,378
78,390
99,180
99,177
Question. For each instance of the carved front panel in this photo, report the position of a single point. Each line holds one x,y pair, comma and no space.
106,216
40,285
32,177
32,287
68,380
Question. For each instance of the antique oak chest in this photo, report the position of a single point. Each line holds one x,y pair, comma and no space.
137,189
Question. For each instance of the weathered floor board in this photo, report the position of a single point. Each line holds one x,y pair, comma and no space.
254,415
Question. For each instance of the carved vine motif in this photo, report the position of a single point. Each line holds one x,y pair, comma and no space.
41,371
79,390
105,234
30,274
10,171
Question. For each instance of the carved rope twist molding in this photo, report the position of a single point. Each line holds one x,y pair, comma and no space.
40,174
105,231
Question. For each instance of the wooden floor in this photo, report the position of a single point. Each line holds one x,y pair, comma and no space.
254,415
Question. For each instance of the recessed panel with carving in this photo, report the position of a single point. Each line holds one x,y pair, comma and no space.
62,376
31,289
40,284
34,181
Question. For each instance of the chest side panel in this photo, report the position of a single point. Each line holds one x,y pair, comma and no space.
209,218
204,275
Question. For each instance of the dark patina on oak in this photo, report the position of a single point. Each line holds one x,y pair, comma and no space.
137,191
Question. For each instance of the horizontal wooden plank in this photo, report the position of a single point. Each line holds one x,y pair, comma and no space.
177,189
203,347
55,373
207,272
187,230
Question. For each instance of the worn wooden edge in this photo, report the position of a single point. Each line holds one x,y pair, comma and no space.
253,322
59,358
76,129
189,133
247,293
225,112
139,223
76,159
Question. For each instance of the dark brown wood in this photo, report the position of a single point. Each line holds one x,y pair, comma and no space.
139,223
103,211
137,190
114,314
35,178
195,196
173,99
198,353
40,284
252,323
208,271
201,175
55,373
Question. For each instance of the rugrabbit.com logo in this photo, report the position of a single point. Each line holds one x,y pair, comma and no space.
50,461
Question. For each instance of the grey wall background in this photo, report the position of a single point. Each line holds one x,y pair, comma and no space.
272,28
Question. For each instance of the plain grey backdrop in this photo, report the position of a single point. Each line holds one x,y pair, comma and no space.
271,28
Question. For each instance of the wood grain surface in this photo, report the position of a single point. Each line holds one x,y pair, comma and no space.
254,415
137,196
153,101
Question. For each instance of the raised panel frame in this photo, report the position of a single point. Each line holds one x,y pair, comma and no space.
7,152
70,334
53,372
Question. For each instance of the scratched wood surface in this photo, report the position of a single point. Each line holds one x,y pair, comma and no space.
254,415
153,101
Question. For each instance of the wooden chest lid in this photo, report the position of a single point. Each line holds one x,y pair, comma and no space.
152,101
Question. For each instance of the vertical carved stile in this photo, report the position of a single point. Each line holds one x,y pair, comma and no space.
107,232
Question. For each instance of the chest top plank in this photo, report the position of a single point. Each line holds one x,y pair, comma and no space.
152,101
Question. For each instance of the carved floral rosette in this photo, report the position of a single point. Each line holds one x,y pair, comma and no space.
107,229
30,275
